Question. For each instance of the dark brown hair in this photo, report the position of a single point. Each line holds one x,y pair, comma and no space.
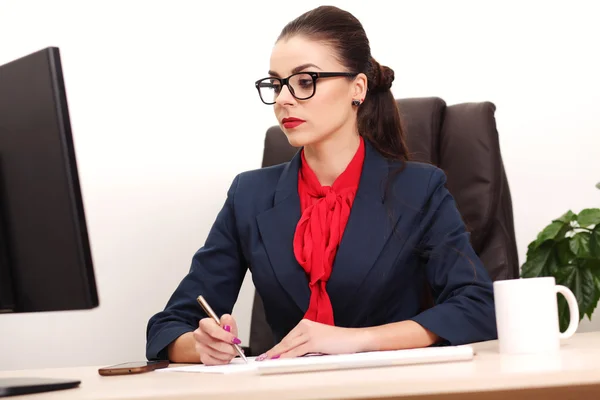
378,117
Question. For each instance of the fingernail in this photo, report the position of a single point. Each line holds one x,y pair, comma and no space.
275,357
236,341
227,328
261,357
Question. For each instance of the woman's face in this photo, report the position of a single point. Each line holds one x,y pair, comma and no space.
329,113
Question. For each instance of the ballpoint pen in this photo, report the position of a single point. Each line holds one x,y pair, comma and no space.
209,311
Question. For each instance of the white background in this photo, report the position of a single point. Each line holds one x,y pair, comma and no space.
165,113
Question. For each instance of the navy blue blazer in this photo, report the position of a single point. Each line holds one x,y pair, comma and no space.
393,243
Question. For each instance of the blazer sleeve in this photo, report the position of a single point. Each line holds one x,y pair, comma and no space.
461,286
217,271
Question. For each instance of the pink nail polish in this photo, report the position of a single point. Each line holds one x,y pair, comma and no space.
261,357
276,357
236,341
227,328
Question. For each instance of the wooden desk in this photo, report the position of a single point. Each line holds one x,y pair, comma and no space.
572,373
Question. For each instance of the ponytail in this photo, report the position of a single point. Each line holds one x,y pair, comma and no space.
378,116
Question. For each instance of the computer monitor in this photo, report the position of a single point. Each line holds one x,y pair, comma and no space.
45,256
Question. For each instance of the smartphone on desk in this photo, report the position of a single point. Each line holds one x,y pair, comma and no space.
133,367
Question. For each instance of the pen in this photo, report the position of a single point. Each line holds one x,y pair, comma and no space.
209,311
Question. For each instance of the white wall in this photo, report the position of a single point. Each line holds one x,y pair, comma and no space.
164,114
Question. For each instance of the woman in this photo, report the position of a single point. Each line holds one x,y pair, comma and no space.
341,240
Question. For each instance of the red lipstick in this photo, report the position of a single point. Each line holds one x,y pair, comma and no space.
291,122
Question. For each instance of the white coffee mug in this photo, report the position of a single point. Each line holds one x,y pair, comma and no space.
527,315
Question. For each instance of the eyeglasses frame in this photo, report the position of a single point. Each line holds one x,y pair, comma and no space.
315,76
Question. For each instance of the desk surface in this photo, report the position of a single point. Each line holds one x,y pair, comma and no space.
575,371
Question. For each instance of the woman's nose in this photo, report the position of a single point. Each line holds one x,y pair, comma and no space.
285,96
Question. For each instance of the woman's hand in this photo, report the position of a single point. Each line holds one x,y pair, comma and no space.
313,337
214,342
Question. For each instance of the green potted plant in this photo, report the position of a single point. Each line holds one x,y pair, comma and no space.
569,250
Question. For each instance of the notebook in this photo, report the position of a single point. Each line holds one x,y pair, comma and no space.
335,362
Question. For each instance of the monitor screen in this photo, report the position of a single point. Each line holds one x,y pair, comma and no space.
45,256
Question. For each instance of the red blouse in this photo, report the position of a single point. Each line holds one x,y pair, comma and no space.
325,211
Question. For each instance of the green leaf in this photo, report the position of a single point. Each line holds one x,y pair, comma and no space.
589,294
580,244
589,216
595,242
596,272
564,254
552,232
565,276
594,267
531,248
594,304
582,283
593,264
564,316
566,217
540,261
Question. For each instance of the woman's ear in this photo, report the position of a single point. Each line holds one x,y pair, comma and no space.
359,87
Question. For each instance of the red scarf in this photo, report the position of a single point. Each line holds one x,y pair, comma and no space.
325,211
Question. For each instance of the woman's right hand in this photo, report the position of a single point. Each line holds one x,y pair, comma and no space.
214,342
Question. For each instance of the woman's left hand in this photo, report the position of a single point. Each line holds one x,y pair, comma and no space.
313,337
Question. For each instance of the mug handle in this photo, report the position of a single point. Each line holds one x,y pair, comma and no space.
573,311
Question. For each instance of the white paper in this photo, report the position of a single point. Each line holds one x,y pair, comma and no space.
236,365
319,362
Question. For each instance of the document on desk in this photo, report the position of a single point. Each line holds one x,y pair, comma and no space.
335,362
236,365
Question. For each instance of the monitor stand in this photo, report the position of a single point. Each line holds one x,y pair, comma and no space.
18,386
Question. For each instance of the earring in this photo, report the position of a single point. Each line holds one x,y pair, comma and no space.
356,103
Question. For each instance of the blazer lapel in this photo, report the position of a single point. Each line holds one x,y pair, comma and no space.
367,231
277,228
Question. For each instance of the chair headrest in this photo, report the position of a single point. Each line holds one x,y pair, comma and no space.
470,155
422,119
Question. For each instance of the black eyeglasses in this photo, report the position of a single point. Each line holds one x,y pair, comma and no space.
302,85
